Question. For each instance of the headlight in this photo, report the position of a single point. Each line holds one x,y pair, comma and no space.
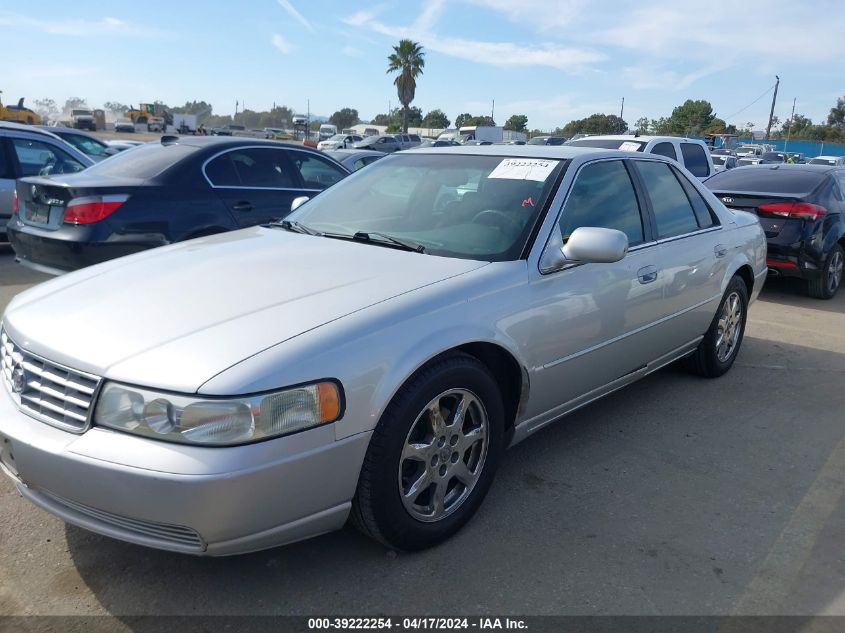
192,419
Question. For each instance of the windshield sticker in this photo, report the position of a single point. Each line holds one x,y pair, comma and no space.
629,146
524,169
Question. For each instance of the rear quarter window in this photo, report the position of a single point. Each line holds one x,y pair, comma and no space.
695,159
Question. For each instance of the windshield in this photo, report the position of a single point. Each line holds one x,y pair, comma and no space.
537,140
469,207
608,143
718,160
337,137
823,161
774,156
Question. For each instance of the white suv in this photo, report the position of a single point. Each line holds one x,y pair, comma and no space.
691,153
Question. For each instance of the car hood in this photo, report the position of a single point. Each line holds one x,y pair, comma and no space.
176,316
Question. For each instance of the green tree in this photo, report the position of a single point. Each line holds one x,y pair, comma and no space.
343,118
642,125
435,119
691,117
517,123
596,124
461,119
115,107
836,118
716,126
408,59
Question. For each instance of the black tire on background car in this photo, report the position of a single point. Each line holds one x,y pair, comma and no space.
432,456
826,285
719,348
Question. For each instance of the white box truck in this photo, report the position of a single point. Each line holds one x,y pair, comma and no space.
185,123
480,133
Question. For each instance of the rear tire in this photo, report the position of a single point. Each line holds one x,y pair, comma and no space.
719,348
432,456
826,286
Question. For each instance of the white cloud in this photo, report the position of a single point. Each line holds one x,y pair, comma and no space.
296,15
76,27
651,76
502,54
282,44
542,15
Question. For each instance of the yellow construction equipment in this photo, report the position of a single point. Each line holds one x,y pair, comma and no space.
18,113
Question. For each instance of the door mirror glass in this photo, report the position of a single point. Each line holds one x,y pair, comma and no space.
593,244
298,202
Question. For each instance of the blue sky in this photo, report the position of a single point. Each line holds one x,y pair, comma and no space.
553,60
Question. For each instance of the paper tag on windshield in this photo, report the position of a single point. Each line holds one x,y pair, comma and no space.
629,146
524,169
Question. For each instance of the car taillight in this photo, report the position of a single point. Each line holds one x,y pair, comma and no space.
797,210
92,209
16,206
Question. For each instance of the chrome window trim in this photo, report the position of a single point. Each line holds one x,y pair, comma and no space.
240,147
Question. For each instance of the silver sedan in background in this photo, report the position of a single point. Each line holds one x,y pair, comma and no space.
355,159
417,318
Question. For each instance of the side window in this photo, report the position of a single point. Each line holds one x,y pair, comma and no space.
221,172
263,167
5,165
317,173
359,163
703,214
695,159
39,158
665,149
672,209
603,196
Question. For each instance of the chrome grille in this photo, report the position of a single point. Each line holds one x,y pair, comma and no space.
165,534
45,390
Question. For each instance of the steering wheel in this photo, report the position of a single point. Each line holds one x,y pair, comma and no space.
498,219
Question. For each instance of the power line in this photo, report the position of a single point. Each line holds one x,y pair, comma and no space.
768,90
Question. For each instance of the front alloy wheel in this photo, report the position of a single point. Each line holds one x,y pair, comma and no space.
432,455
443,455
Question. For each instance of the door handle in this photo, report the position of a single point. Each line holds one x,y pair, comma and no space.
647,274
243,205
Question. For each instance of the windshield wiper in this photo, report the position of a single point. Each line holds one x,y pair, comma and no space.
375,237
295,227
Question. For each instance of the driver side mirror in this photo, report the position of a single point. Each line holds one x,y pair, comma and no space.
298,202
586,245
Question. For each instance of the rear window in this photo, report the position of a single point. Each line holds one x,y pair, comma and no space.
695,159
606,143
774,156
766,180
823,161
143,161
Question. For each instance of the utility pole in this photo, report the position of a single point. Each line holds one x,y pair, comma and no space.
789,129
622,111
772,111
493,112
236,110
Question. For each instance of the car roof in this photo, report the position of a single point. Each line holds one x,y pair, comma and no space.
20,127
797,167
558,152
632,137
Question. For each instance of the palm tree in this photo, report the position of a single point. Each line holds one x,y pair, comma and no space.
408,59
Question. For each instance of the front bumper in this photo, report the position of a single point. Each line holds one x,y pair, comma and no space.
197,500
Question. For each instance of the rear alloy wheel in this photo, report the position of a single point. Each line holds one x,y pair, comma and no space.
718,350
828,283
432,456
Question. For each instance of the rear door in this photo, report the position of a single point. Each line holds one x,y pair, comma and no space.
693,252
257,184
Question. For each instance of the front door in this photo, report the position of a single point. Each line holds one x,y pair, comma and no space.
592,321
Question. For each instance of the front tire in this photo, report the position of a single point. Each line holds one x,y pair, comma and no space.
719,348
432,456
828,283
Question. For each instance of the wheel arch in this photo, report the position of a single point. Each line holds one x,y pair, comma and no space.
746,273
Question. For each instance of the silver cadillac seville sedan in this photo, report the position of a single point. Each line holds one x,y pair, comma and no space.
370,357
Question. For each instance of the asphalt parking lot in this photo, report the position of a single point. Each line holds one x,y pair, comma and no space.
678,495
